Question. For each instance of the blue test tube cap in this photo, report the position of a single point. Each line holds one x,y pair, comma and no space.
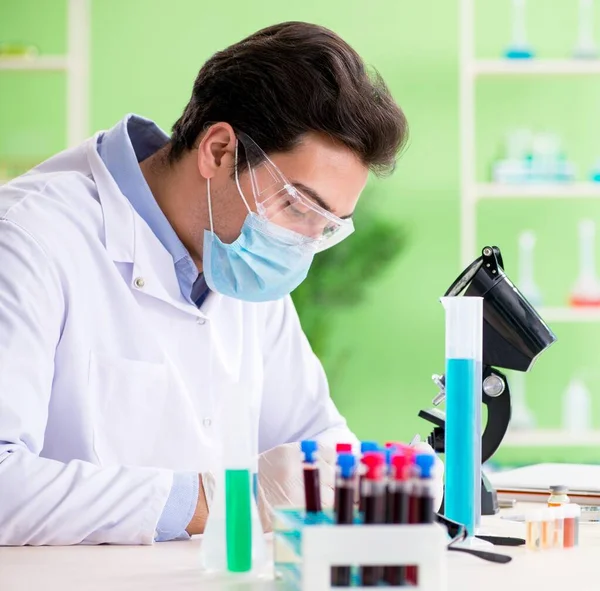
389,453
425,463
368,446
309,448
347,463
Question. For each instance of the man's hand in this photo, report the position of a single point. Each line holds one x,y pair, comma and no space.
281,480
198,522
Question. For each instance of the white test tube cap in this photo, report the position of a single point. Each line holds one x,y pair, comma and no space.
571,510
557,512
464,327
535,515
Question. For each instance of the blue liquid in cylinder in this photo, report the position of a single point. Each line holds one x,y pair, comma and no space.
463,443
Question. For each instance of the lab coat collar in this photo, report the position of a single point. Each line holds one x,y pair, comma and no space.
118,213
128,239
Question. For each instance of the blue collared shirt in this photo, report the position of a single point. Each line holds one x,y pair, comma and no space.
121,148
130,141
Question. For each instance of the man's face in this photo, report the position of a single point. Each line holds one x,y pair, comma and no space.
328,174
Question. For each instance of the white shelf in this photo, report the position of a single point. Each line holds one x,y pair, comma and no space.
42,62
550,438
542,191
532,67
567,314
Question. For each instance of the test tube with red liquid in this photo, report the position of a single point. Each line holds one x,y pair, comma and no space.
341,448
312,484
372,493
344,512
397,508
422,494
365,447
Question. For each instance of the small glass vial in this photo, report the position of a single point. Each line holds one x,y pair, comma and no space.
533,527
558,496
547,529
572,514
558,531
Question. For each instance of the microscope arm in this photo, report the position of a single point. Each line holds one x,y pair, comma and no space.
499,413
498,418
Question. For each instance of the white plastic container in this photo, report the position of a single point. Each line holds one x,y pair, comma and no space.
577,408
558,530
305,554
533,530
547,529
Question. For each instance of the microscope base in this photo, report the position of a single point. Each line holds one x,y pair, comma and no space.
489,497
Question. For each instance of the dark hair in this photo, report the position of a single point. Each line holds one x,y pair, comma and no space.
289,79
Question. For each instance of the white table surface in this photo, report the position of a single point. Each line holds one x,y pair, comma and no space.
174,566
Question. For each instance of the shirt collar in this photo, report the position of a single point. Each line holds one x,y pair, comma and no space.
121,148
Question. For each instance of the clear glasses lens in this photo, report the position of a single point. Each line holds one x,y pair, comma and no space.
284,205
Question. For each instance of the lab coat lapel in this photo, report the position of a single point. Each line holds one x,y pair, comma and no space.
128,239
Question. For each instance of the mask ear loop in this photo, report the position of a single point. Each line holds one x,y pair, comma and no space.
237,179
209,205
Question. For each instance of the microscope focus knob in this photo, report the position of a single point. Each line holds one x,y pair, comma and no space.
493,385
440,382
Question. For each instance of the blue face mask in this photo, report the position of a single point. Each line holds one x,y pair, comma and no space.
266,262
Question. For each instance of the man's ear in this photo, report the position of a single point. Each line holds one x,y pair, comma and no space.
216,149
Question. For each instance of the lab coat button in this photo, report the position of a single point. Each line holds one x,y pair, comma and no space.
200,320
207,422
139,282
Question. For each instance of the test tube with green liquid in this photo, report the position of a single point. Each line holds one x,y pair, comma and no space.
238,459
238,520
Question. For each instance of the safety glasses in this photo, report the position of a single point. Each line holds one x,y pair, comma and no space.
283,204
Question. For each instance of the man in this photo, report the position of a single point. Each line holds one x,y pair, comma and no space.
144,277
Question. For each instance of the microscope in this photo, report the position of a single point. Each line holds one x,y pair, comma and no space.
514,335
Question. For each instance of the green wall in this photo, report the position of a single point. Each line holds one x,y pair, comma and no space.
145,54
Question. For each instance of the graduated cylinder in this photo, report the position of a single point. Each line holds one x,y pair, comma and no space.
464,336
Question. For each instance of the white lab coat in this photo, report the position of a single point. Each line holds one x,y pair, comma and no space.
109,379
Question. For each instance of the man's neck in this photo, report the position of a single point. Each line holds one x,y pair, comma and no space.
178,192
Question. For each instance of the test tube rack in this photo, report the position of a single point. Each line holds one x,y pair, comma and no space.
306,547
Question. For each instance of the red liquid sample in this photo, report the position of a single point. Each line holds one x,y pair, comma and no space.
361,499
414,509
569,532
374,513
426,510
579,302
397,512
344,494
414,516
312,489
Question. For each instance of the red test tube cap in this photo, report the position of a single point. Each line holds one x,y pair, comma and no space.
401,463
403,447
343,448
374,462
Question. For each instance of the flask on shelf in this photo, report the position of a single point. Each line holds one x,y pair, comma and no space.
586,47
586,291
576,411
527,283
518,48
522,418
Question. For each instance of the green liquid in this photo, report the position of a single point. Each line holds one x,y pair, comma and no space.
238,520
